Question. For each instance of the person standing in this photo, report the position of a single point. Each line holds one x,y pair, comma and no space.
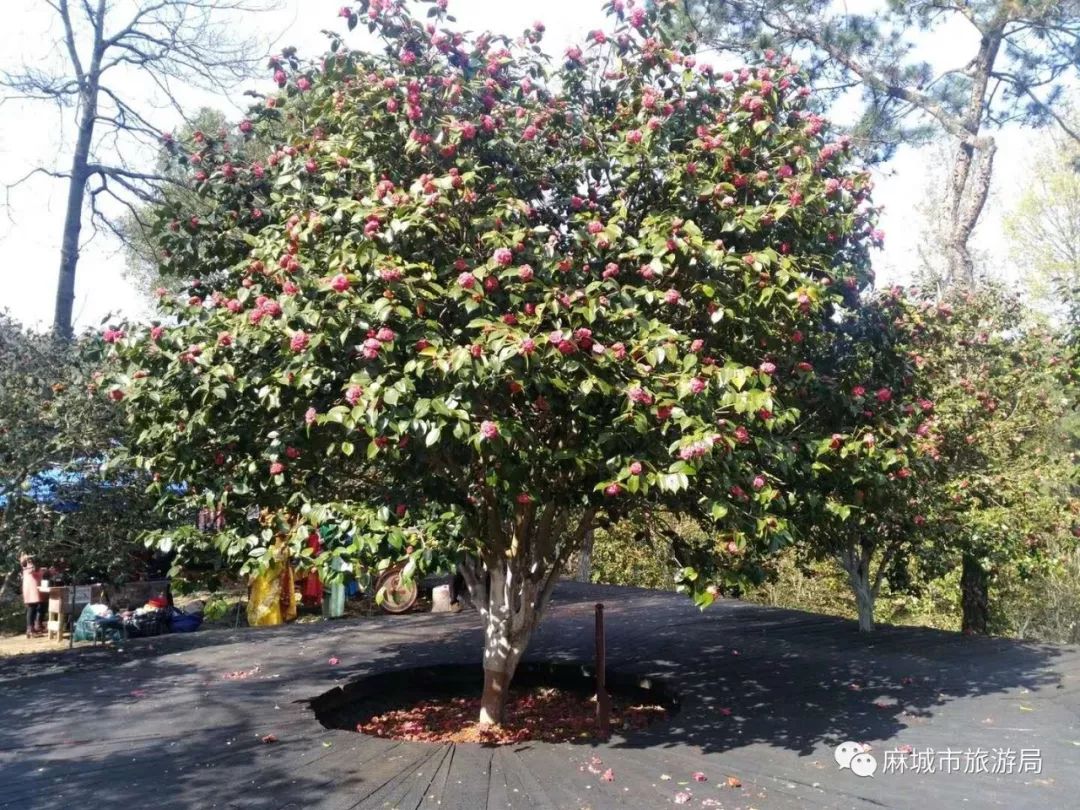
35,608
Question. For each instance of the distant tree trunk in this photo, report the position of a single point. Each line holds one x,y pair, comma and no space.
584,571
4,585
975,596
80,175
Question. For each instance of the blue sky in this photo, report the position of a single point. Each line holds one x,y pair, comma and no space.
33,134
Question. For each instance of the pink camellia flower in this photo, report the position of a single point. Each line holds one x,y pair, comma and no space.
340,282
618,351
883,395
277,468
926,405
489,430
858,391
804,367
869,440
467,280
353,393
502,256
836,441
903,472
303,84
525,272
672,296
697,385
640,396
767,367
635,468
611,490
637,17
390,274
112,335
697,345
385,335
300,341
758,482
573,53
920,520
595,226
633,136
528,346
224,339
310,415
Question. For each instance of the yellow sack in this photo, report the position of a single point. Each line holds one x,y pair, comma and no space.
272,595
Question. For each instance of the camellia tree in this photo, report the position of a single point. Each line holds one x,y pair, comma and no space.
472,299
863,459
1000,381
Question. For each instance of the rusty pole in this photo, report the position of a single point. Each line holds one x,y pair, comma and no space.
603,702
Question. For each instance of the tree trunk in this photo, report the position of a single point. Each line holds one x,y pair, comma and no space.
975,596
89,88
511,612
69,246
511,587
584,571
856,562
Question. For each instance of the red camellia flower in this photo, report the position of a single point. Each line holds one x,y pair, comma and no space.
883,395
299,341
340,282
292,452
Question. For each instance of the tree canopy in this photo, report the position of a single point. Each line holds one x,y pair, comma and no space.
473,297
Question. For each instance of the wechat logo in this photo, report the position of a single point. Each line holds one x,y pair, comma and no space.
857,757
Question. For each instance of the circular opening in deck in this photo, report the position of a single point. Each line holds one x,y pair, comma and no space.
547,702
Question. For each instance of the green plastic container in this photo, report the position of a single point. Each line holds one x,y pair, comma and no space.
333,603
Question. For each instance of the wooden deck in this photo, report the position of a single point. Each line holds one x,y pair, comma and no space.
766,696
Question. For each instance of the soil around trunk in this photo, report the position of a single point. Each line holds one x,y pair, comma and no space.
546,702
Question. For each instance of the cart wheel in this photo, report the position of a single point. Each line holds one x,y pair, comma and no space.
399,596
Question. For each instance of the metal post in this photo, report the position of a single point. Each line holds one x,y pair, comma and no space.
603,702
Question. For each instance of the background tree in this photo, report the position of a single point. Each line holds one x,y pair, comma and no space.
1023,54
141,244
868,445
107,47
1044,225
1006,452
471,301
56,499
